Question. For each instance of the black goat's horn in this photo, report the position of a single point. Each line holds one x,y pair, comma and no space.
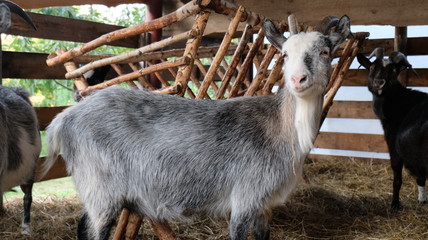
18,10
326,24
378,52
399,57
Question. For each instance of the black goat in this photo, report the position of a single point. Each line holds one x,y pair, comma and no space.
403,113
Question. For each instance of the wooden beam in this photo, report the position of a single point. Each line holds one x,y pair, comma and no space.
56,3
352,109
29,66
351,141
46,114
362,12
358,77
67,29
58,170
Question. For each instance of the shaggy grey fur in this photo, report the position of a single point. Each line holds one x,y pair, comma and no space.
19,145
170,158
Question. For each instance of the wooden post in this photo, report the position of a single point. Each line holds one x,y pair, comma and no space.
79,81
247,63
248,31
120,72
274,75
192,46
163,230
121,225
261,74
134,75
220,53
154,11
400,44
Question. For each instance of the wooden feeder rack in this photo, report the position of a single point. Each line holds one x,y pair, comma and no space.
182,66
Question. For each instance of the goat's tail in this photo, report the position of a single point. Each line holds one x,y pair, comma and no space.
54,144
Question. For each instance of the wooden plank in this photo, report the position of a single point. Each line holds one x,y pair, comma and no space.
66,29
351,109
362,12
320,157
351,141
58,170
26,4
359,77
30,66
415,46
46,114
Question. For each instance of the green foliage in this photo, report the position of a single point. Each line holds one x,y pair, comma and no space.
57,93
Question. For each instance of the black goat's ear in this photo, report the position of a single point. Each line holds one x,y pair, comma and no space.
365,62
341,32
275,37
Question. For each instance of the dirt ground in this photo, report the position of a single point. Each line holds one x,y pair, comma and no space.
345,199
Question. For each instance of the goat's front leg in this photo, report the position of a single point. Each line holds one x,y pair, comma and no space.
397,167
28,199
422,196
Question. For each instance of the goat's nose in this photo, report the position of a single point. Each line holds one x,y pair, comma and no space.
298,80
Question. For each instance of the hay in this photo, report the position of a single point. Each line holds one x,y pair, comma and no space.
345,199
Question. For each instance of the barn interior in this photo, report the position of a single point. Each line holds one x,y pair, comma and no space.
346,195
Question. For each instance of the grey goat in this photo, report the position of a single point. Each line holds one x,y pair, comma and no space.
170,158
19,146
19,131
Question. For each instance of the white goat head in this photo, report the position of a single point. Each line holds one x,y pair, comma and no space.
308,55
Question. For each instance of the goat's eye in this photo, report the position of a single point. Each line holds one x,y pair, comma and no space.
324,52
284,55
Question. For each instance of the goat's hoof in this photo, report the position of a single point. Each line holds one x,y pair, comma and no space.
395,206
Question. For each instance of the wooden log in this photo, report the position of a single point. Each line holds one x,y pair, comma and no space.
247,63
80,82
160,77
128,55
400,44
235,60
134,224
192,46
121,224
169,90
181,13
141,79
163,230
120,72
274,75
230,8
262,73
134,75
202,69
221,53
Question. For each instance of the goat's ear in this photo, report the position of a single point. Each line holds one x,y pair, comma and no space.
341,32
275,37
5,18
365,62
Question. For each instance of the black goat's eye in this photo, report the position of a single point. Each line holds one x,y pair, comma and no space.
284,55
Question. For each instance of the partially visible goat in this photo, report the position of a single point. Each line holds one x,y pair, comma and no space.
404,116
171,158
6,9
19,131
19,146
